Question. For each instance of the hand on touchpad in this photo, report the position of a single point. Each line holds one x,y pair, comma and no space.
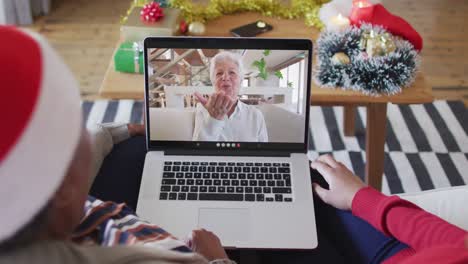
230,225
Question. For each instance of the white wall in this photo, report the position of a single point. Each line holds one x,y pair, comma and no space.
21,11
7,12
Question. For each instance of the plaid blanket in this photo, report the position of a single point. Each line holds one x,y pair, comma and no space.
111,224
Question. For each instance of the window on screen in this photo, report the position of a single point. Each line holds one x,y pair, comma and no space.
227,95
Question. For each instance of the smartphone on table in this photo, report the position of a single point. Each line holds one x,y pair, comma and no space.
252,29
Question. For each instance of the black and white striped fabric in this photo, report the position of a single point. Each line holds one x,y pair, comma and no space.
426,145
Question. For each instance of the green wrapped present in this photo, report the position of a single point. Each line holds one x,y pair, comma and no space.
129,58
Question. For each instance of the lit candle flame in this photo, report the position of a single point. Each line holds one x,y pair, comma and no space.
362,4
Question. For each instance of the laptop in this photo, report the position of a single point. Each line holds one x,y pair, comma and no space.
240,171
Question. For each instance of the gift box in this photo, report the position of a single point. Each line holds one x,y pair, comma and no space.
134,29
129,58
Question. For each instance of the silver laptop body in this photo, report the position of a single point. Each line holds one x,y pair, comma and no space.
250,194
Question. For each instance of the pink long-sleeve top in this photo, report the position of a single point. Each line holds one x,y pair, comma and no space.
430,238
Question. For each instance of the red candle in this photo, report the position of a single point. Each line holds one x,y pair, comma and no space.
362,10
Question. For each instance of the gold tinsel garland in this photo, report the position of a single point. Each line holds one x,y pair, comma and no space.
307,9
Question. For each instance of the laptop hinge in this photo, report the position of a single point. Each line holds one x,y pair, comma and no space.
187,152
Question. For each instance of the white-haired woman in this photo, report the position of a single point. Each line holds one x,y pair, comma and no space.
221,116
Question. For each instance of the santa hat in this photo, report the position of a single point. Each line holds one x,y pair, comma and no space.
379,15
41,126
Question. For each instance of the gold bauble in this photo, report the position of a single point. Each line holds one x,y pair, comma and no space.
340,58
196,28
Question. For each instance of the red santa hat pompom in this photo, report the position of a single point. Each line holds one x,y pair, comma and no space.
41,126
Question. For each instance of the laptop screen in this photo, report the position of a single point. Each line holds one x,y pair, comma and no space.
227,93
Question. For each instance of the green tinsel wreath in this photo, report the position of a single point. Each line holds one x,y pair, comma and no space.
387,74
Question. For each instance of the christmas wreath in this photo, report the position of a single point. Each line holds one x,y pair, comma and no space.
367,59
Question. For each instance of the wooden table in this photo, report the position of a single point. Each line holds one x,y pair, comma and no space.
131,86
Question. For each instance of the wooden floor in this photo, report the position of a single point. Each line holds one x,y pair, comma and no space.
85,32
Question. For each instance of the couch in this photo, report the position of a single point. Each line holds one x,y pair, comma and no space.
178,123
449,203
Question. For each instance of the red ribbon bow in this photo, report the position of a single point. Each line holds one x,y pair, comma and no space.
151,12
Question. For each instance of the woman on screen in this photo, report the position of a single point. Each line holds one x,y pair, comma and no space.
221,116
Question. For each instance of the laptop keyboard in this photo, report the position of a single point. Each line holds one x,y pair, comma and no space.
226,181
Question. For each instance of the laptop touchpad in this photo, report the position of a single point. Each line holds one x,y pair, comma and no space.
228,224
